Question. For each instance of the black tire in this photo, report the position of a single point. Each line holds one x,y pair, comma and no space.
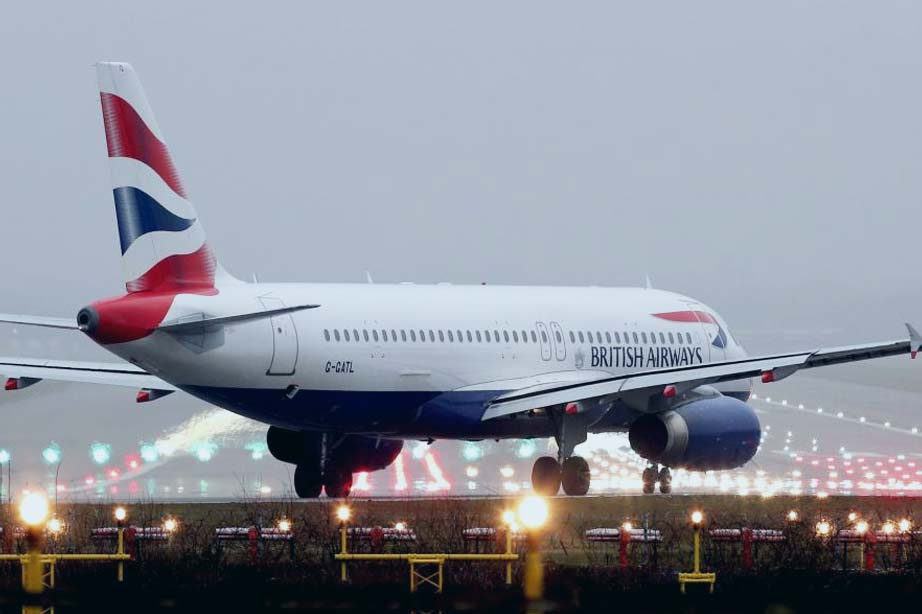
545,476
337,483
575,477
649,481
665,481
307,482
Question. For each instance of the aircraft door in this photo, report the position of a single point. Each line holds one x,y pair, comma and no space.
560,345
545,340
284,339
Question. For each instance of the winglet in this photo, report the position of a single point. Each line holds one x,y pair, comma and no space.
915,340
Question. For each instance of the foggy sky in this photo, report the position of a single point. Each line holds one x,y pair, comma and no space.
764,159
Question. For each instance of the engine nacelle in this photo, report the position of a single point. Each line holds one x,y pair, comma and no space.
356,452
718,432
365,453
292,446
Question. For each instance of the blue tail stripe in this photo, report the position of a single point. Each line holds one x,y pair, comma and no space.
138,214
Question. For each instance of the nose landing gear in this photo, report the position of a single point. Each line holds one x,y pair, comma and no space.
572,472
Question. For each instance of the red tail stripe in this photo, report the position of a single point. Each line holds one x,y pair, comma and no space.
686,316
127,136
182,271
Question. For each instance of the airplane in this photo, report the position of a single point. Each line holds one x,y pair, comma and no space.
343,374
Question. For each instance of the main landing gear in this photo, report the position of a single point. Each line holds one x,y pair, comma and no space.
572,472
652,475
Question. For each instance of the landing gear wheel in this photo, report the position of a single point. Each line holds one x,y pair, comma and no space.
665,481
575,476
649,480
545,476
338,483
307,482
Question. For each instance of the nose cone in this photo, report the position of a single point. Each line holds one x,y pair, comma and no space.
88,320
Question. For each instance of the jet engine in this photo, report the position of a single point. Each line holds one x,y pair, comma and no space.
355,452
717,432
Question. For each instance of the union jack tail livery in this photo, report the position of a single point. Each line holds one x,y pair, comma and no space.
162,241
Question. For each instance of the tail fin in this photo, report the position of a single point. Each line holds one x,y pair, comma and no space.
163,242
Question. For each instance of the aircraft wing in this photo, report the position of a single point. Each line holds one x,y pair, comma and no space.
112,373
643,388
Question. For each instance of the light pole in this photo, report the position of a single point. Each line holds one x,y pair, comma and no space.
33,510
533,514
343,514
120,515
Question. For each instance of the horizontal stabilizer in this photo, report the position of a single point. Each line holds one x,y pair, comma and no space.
47,322
201,321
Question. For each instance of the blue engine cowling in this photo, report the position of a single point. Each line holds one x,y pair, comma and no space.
709,433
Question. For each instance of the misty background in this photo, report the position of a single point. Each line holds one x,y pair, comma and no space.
763,158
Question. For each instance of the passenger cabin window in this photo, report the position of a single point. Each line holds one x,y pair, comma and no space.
403,335
681,341
451,337
534,337
524,337
431,336
581,338
515,336
496,335
374,334
572,337
607,337
617,338
688,338
477,332
422,336
441,336
460,336
662,339
393,335
326,334
636,340
470,339
383,334
558,336
671,340
412,335
506,336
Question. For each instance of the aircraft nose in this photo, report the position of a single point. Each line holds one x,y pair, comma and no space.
88,320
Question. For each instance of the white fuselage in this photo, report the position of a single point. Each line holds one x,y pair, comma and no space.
378,357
